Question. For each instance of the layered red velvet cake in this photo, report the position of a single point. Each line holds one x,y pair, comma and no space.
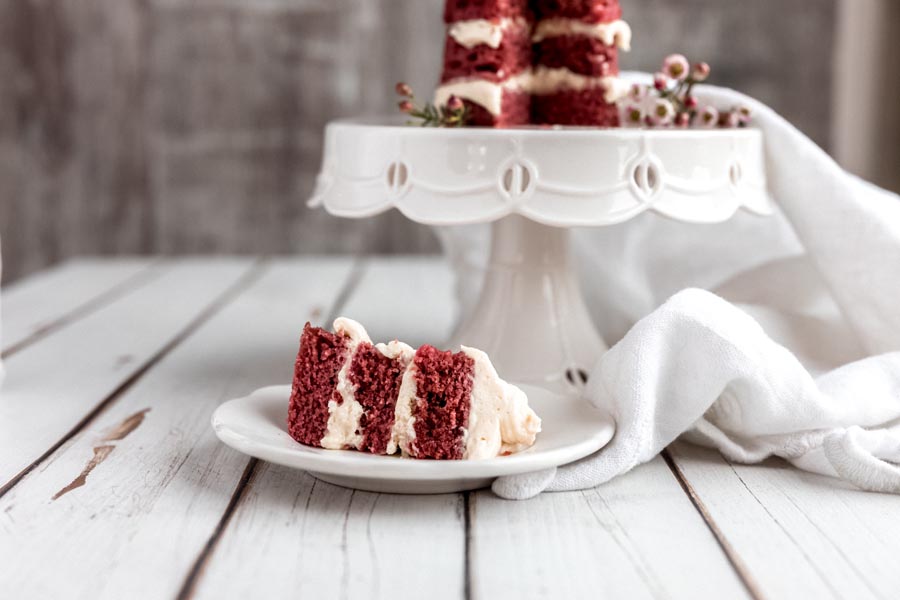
487,59
540,61
349,393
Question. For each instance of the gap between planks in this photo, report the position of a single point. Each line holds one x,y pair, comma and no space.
736,563
195,573
247,279
119,290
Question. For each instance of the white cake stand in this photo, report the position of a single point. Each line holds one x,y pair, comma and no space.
533,184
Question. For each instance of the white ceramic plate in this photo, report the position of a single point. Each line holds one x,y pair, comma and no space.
257,425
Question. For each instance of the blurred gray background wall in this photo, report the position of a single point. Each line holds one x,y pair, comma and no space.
177,126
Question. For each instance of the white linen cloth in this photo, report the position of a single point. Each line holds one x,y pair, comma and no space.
794,355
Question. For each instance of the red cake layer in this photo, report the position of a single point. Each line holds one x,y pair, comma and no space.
443,395
515,109
465,10
319,360
579,53
575,107
494,64
376,378
590,11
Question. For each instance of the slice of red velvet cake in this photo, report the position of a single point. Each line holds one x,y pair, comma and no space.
385,398
487,58
575,79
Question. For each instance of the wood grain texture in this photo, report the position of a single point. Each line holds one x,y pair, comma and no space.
635,537
177,126
160,492
51,386
316,540
798,534
38,305
404,298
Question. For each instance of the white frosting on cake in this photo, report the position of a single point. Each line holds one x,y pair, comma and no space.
475,32
487,94
403,433
343,418
616,33
545,81
540,82
500,420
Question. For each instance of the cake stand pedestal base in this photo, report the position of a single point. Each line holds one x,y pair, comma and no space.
531,317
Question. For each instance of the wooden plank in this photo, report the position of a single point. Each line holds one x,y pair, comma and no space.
405,298
638,536
155,480
320,541
798,534
53,385
315,540
36,306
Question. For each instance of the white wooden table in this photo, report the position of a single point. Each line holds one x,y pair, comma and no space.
113,485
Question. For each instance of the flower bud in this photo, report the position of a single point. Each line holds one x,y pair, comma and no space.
690,101
700,72
660,81
455,103
405,106
683,119
403,89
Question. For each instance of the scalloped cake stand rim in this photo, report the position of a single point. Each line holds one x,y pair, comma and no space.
641,181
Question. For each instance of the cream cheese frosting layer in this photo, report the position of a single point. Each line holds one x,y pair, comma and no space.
500,420
403,432
540,82
487,94
343,418
545,80
398,350
616,33
482,31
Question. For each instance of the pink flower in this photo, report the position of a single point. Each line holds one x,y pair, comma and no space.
709,117
637,93
676,66
663,111
455,103
633,115
660,81
405,106
403,89
730,119
700,72
744,115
